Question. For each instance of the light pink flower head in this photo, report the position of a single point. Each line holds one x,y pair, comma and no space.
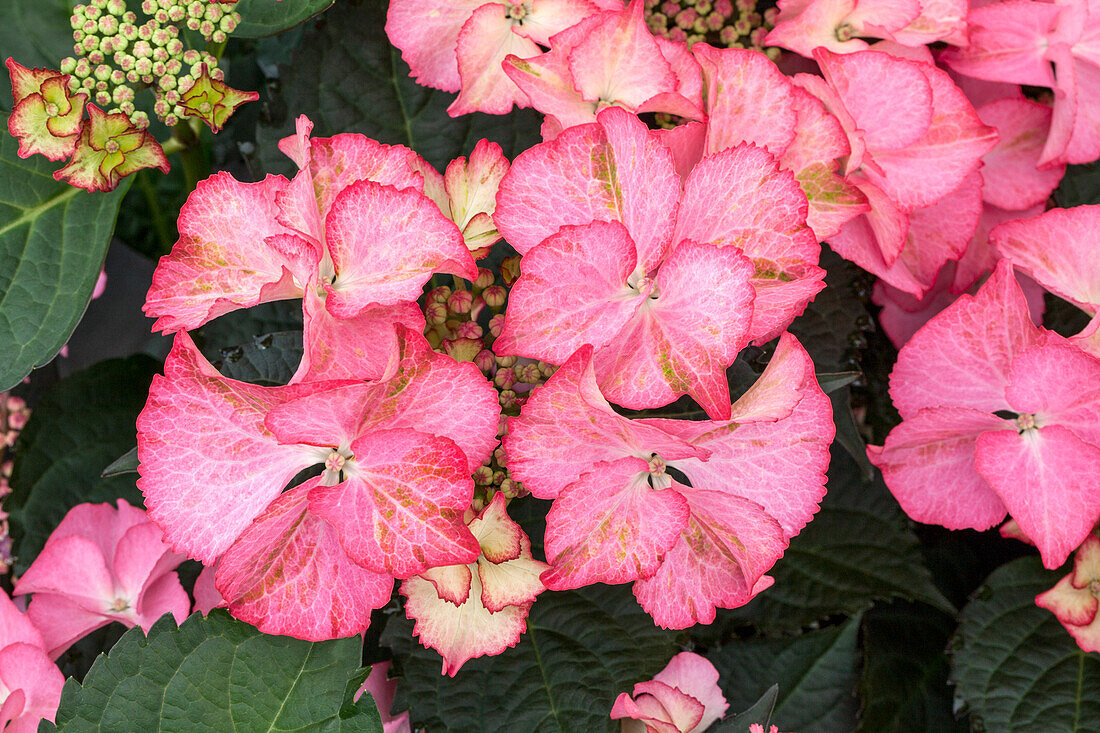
620,516
100,565
479,608
954,460
666,282
684,697
1074,600
30,684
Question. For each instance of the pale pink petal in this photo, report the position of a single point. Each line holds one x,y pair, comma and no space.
297,146
883,17
1064,115
683,710
1060,249
687,143
451,582
1007,42
739,197
980,258
512,583
385,245
463,632
778,464
614,170
1012,180
573,291
939,20
382,689
427,36
207,597
287,574
547,81
500,538
74,567
485,41
689,79
650,714
163,595
1048,479
26,668
1084,143
566,426
208,464
805,25
62,621
610,526
928,464
15,626
1072,606
141,558
400,509
471,187
696,676
941,232
748,100
1086,563
221,261
728,543
962,357
548,17
902,315
1058,384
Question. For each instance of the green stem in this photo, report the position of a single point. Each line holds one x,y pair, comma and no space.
155,212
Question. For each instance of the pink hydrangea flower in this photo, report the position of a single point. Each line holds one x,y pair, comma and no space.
100,565
382,689
470,610
667,282
216,455
684,697
30,684
955,461
619,516
1074,600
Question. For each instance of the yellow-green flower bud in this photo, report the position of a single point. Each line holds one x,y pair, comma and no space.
67,65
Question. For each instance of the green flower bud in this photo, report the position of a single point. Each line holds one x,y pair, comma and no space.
89,26
174,47
173,66
116,7
143,49
143,66
90,43
103,98
171,120
129,31
78,36
192,24
196,9
206,28
91,12
145,31
191,57
176,13
102,72
67,65
159,54
166,82
108,25
219,36
228,24
213,13
129,17
139,118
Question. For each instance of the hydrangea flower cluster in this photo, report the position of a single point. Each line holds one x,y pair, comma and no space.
14,414
721,23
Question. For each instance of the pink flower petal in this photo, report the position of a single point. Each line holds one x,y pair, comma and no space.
1047,478
161,596
659,701
939,20
400,509
610,526
1059,384
74,567
427,37
451,582
928,464
142,557
63,621
500,538
382,689
15,626
566,426
696,676
204,492
26,669
962,357
1072,606
471,187
739,197
222,261
385,244
511,583
804,25
485,41
287,574
207,597
1012,180
1007,42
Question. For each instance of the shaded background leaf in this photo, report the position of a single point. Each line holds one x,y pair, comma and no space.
268,17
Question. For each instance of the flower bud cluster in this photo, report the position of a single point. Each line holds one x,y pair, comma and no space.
721,23
13,416
115,56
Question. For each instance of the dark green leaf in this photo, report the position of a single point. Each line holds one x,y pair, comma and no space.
904,681
1014,664
832,327
36,33
269,359
832,381
245,325
127,463
268,17
858,549
817,674
53,239
357,82
82,424
760,713
1080,186
582,648
847,432
219,675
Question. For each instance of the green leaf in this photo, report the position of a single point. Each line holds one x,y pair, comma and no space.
220,675
126,463
904,684
856,550
832,381
357,82
268,17
36,33
817,674
1014,664
245,325
82,424
269,359
582,648
760,713
1080,186
832,327
53,239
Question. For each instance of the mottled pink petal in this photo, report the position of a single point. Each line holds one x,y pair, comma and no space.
511,583
485,41
548,17
613,170
427,38
687,143
683,340
288,575
573,290
385,244
611,526
547,81
962,357
1072,606
939,20
204,492
1012,180
779,464
1060,249
471,187
25,670
941,232
500,538
1084,142
222,261
1058,384
566,426
1007,42
400,509
662,708
748,100
803,25
1047,478
928,464
739,197
696,676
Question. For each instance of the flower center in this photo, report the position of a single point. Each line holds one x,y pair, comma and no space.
517,13
335,461
658,478
111,146
52,110
845,32
120,605
1025,422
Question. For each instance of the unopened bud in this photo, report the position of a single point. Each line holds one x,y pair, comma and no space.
436,313
496,323
485,361
460,301
439,295
507,399
484,279
504,378
494,296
